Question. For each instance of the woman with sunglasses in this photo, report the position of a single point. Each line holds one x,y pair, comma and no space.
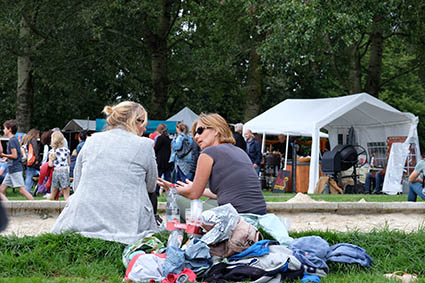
226,168
113,174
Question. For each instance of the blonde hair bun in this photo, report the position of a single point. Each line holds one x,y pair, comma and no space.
108,110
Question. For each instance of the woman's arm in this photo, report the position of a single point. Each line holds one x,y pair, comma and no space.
45,154
414,177
209,194
195,189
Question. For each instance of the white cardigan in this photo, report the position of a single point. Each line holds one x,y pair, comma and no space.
113,174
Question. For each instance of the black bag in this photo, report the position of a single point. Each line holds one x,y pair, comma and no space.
185,149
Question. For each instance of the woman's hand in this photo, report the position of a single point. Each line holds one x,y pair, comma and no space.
163,183
184,186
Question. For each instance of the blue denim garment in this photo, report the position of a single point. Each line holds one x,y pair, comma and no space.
311,251
197,256
415,190
349,253
174,263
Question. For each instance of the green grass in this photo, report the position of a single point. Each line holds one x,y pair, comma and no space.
273,197
69,257
269,196
73,258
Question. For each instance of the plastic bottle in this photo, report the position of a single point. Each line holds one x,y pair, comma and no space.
172,210
175,239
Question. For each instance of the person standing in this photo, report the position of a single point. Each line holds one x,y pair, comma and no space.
253,150
237,135
157,132
30,139
280,147
14,177
182,154
163,153
45,140
59,159
82,136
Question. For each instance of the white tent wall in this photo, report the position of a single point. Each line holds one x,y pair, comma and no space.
372,119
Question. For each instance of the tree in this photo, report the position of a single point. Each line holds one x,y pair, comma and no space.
345,39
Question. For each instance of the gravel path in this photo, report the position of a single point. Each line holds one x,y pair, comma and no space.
35,225
38,224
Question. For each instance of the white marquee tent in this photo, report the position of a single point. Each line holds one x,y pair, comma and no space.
186,115
372,119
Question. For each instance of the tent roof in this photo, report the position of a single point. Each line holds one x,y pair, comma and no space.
186,115
77,125
303,116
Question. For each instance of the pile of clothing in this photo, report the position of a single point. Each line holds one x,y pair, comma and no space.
232,249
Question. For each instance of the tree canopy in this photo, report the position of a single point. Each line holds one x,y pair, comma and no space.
68,59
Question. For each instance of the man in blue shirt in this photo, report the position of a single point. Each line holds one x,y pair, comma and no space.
253,150
14,177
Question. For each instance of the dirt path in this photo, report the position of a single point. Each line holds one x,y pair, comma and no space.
35,225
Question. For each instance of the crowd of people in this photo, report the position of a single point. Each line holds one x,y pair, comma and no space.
46,157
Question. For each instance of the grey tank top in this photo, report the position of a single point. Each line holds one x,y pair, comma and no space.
234,180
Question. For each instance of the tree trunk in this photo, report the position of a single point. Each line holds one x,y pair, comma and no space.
254,85
159,48
25,87
375,61
354,72
159,82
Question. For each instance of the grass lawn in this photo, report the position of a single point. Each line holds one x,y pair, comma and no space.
73,258
273,197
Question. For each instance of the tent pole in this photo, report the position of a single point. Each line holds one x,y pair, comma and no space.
314,160
263,142
286,151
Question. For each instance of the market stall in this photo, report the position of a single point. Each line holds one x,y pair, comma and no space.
372,119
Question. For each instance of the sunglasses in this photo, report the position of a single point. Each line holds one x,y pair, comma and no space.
201,129
140,120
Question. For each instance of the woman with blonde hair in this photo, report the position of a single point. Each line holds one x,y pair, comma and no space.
59,160
227,168
113,174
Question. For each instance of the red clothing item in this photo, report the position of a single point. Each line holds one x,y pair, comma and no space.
45,171
153,135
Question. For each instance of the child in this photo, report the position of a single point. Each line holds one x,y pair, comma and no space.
14,177
59,159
